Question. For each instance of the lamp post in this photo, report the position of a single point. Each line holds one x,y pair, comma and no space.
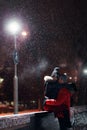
15,57
14,28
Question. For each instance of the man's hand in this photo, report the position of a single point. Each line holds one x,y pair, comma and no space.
50,99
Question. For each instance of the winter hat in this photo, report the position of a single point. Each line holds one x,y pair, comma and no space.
55,72
64,77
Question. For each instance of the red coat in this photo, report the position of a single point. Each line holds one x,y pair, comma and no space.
59,105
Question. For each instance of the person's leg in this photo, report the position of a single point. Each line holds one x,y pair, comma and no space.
62,124
67,119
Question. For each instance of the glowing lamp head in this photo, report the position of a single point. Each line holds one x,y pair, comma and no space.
14,27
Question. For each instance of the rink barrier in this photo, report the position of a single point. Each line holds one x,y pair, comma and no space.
41,120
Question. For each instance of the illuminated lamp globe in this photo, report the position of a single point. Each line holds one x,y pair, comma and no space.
13,27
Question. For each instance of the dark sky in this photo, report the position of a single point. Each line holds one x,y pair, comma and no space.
57,29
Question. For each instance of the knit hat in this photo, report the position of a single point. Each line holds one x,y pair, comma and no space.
64,77
55,72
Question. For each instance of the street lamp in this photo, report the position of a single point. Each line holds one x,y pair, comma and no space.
85,71
14,28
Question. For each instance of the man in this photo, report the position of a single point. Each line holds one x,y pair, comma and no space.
61,105
51,84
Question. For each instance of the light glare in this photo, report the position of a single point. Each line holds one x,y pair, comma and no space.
13,27
1,80
85,71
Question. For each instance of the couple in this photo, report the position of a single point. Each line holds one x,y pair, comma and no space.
57,97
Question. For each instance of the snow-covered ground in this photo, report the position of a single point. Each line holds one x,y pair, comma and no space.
79,118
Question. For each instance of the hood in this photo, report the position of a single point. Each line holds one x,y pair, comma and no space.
48,78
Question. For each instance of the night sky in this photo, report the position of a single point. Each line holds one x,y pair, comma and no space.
57,36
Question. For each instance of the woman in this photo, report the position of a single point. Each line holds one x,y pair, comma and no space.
61,105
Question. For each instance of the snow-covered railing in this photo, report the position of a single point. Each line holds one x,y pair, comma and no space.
42,120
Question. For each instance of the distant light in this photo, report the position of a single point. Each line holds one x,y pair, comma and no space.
75,78
85,71
1,80
70,77
24,33
65,73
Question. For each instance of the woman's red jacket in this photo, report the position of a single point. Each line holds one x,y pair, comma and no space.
61,103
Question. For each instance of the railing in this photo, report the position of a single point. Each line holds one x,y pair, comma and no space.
42,120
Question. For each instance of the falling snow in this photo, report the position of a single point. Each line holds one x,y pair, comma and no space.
56,37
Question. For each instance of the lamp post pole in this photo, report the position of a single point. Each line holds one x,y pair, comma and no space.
14,27
15,76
